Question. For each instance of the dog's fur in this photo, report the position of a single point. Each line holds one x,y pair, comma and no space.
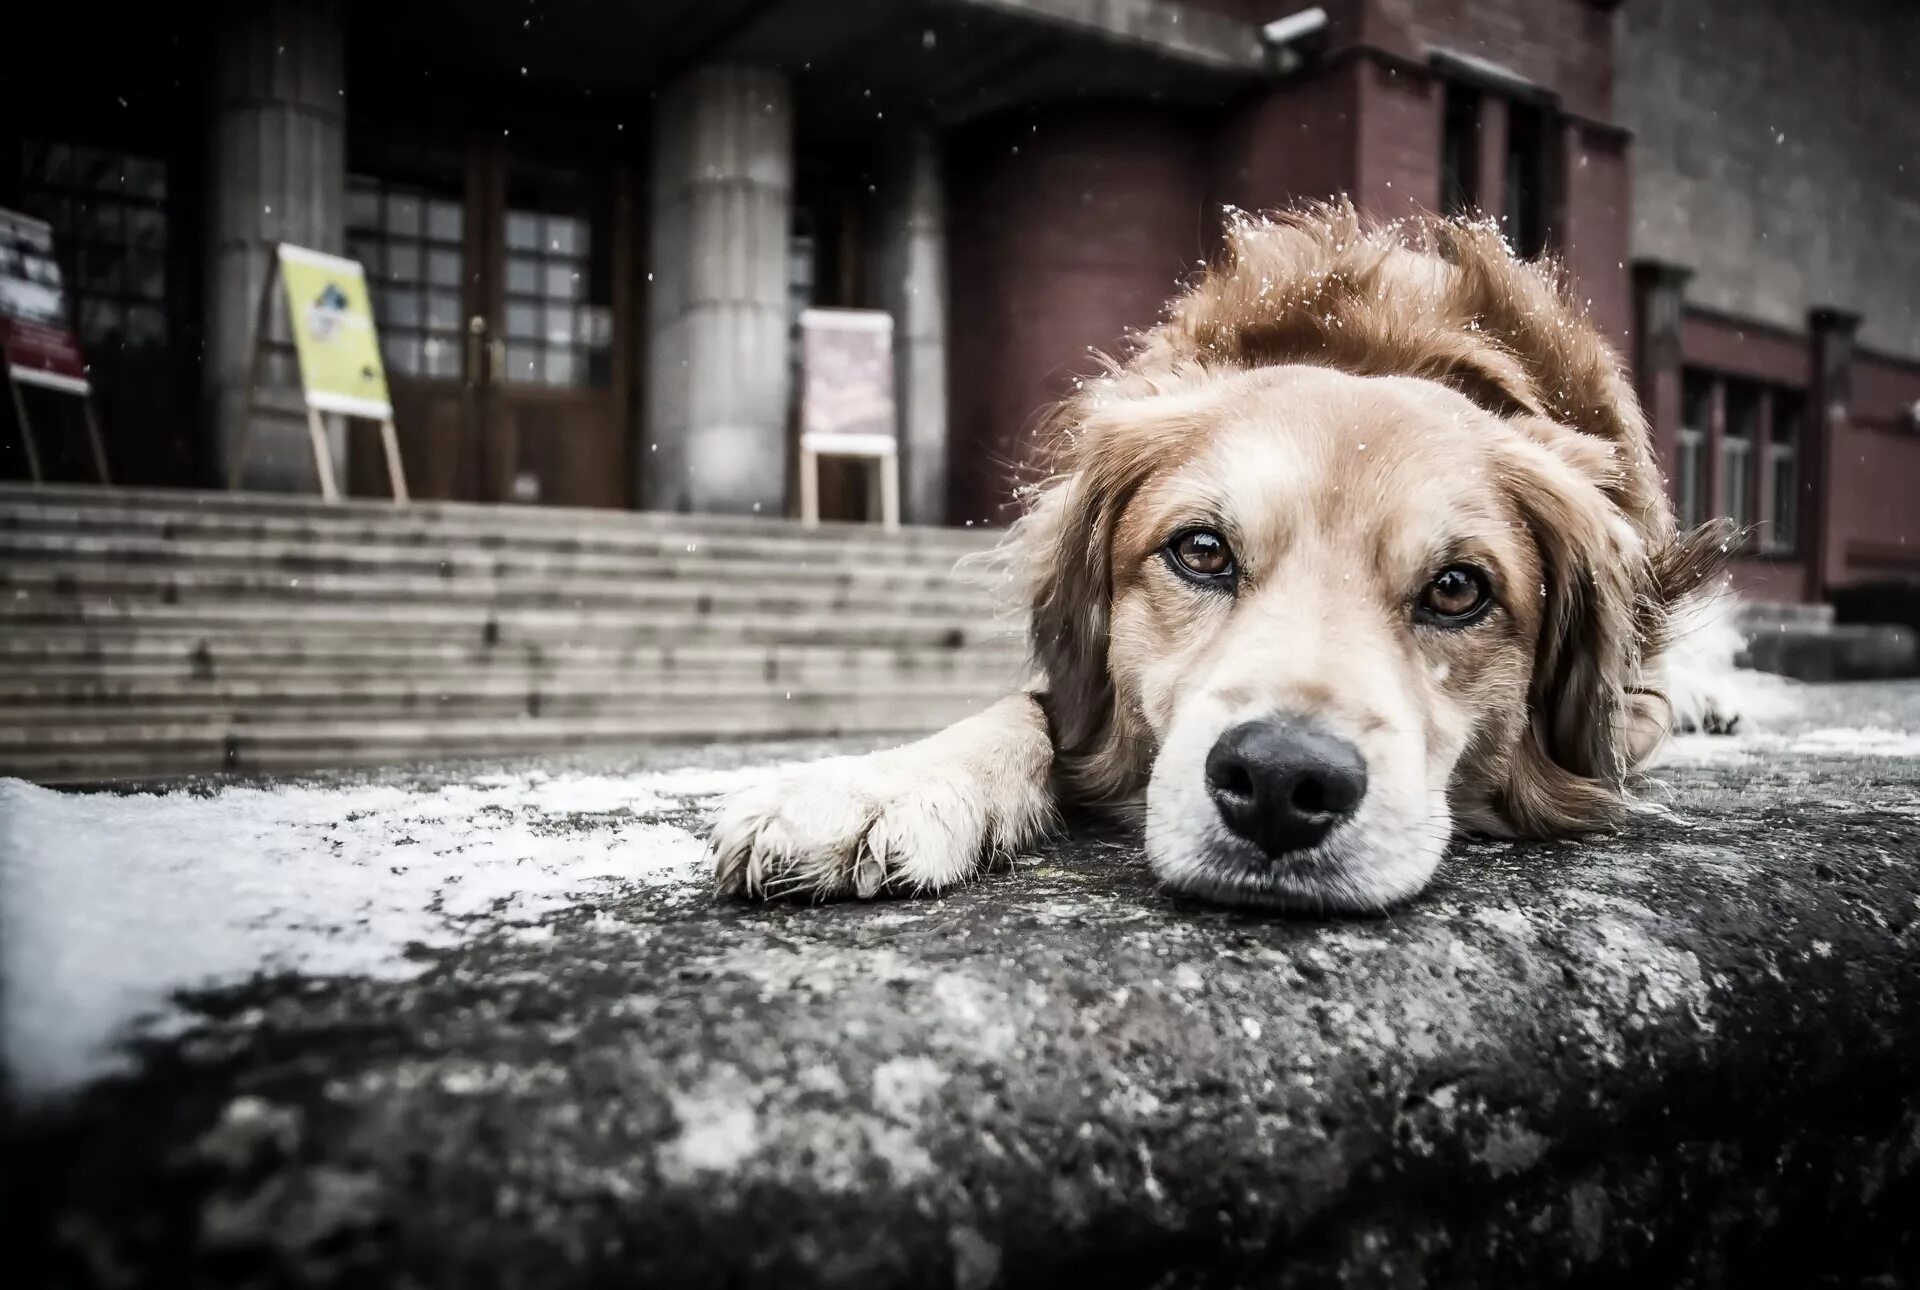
1354,408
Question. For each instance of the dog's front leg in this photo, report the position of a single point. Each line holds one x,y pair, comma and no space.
918,818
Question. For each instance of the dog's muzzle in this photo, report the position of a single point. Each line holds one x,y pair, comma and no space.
1283,785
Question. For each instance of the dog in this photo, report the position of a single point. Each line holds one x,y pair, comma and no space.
1362,545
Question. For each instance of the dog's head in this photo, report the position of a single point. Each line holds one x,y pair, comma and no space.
1364,542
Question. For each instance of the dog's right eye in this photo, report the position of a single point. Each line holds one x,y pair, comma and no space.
1202,556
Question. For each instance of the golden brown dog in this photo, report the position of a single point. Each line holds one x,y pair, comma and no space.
1365,543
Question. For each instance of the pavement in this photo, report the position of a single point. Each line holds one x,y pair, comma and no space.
482,1025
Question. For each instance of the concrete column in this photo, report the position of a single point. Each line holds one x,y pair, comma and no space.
913,287
717,330
277,173
1831,333
1660,305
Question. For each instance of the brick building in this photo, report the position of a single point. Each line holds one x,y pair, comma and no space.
591,225
1776,236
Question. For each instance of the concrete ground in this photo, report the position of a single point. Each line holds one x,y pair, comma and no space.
484,1026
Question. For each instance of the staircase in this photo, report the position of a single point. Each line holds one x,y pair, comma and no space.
149,633
1806,643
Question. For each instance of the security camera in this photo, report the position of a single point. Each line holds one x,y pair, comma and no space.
1292,39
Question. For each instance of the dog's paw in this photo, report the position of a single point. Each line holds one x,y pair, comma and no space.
1706,701
1707,713
853,826
1707,692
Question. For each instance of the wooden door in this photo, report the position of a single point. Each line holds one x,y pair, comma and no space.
555,406
500,289
414,222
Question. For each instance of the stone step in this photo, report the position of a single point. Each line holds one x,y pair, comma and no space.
41,698
242,502
464,563
247,650
148,633
771,548
23,586
186,514
33,655
1757,615
1833,652
203,748
485,625
36,725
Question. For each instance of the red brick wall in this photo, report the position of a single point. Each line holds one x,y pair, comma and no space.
1397,170
1770,579
1067,228
1292,143
1874,494
1733,348
1596,229
1066,235
1565,45
1884,389
1749,350
1876,525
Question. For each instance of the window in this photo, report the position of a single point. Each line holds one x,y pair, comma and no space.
1529,178
801,250
1758,442
412,244
1782,533
1690,475
800,254
549,266
1460,150
108,210
1738,447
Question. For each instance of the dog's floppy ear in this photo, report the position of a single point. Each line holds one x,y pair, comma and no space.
1607,592
1109,439
1069,592
1595,572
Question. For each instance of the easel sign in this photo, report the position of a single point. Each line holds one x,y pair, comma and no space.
846,402
35,336
331,316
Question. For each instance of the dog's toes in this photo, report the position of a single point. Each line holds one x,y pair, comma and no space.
802,836
729,865
848,828
933,837
1719,718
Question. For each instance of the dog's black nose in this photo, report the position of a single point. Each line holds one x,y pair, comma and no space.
1283,786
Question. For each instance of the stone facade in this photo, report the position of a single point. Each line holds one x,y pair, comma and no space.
1024,182
1777,154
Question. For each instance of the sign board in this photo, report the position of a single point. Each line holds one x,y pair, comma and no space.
333,333
35,331
331,317
846,401
846,380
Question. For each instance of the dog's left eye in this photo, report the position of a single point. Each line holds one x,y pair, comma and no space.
1201,555
1458,595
